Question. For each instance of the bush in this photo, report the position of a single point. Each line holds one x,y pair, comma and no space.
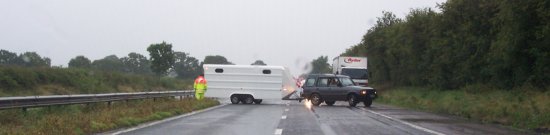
17,81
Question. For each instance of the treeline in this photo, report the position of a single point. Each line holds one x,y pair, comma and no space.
502,43
27,59
178,64
17,81
29,73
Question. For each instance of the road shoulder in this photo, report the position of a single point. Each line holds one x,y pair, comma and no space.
442,123
148,124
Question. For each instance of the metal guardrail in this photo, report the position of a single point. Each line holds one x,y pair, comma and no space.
40,101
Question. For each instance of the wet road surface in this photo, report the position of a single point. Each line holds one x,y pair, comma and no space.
294,118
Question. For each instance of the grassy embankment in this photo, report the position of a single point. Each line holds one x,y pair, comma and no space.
94,118
22,81
520,108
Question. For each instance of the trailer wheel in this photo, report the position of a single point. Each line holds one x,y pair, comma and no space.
248,99
234,99
257,101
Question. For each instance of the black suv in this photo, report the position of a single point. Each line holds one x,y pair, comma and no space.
331,88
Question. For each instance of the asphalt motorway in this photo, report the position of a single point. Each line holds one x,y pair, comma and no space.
295,118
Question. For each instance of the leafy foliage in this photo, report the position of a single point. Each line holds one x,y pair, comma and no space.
259,62
216,59
28,59
320,65
162,57
8,58
80,62
16,81
109,63
186,66
136,63
501,43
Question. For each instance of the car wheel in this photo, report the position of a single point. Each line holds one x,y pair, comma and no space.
330,103
368,102
234,99
316,99
258,101
248,99
352,100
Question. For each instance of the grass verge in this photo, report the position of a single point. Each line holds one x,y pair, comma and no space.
524,109
94,118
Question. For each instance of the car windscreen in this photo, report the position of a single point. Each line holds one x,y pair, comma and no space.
346,81
355,73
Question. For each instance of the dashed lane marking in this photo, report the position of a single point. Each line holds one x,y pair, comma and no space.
278,131
286,110
283,117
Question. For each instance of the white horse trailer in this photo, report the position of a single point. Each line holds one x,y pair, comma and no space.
249,83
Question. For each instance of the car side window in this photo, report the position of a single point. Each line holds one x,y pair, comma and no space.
333,82
322,82
310,82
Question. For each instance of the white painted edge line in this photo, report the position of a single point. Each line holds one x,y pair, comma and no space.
166,120
283,117
404,122
278,131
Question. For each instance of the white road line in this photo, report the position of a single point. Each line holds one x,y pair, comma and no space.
404,122
283,117
278,131
286,110
165,120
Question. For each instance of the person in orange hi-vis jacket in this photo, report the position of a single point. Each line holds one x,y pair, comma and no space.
200,87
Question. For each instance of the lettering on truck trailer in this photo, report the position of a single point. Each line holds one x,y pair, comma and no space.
351,60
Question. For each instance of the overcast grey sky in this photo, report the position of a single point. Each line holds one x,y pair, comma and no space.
279,32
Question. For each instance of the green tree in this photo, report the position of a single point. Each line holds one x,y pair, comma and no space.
162,57
186,66
109,63
217,59
32,59
136,63
499,43
80,62
320,65
259,62
8,58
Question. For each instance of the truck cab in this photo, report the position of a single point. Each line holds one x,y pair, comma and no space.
359,75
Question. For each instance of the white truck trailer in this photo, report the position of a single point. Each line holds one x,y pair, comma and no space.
249,83
354,67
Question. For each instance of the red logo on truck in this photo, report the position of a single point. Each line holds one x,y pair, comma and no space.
351,60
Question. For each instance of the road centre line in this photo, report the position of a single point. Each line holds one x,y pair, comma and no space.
283,117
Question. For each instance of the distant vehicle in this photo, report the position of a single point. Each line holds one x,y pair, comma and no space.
249,83
330,88
354,67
